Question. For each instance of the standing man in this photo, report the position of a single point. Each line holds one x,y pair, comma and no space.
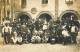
6,30
74,31
45,26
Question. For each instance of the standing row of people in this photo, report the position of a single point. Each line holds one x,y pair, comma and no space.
39,31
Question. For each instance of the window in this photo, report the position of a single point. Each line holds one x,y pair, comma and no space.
44,1
8,13
8,2
23,3
69,2
0,16
0,13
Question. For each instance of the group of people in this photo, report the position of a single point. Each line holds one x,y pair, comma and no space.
39,31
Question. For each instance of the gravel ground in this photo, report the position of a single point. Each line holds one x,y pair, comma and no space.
40,48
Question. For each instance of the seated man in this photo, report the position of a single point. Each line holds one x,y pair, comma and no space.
66,36
16,39
35,39
45,37
19,39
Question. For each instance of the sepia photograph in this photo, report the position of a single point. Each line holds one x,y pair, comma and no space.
39,25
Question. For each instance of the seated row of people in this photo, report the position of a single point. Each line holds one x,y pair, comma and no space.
42,36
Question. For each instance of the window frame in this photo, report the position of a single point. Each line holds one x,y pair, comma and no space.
44,1
23,3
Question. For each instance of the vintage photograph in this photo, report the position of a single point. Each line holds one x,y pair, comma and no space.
39,25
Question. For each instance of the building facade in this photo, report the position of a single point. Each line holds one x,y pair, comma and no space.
35,8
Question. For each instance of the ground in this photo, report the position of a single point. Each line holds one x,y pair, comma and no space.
40,48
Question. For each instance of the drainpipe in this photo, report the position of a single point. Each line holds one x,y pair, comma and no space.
11,11
56,9
4,8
